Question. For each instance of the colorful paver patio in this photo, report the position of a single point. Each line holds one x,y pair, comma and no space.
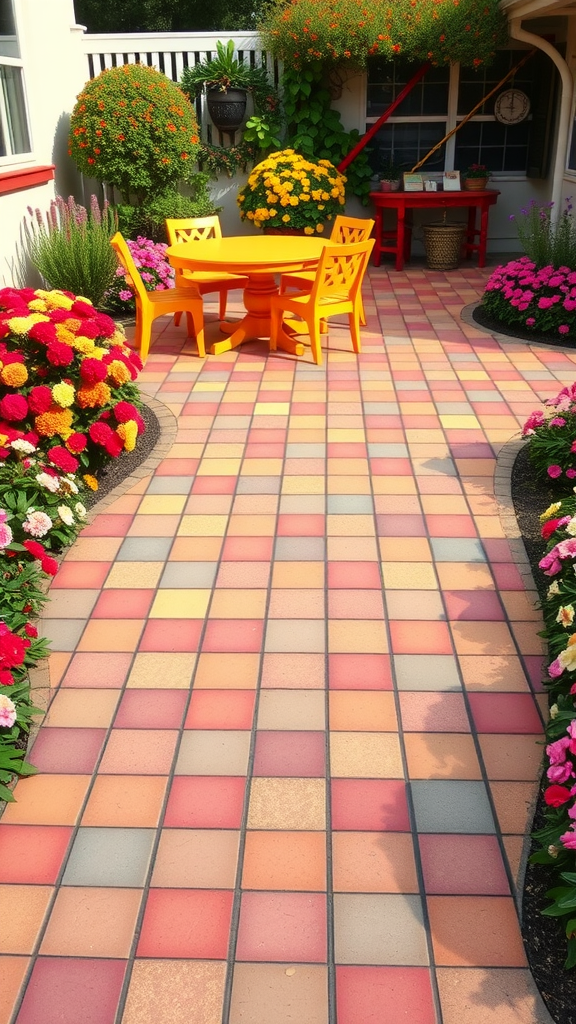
287,769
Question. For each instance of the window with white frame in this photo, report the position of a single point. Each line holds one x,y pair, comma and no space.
14,131
438,102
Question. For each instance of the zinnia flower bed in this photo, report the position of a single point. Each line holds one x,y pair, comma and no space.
542,301
557,839
68,404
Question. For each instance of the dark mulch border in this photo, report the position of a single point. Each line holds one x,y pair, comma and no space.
118,469
543,937
484,319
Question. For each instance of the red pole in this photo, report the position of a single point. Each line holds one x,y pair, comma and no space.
383,117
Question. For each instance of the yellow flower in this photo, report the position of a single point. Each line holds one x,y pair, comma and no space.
273,213
319,228
550,511
82,298
119,336
241,199
22,324
97,353
304,196
320,206
308,230
83,345
37,306
294,201
56,300
128,432
90,481
72,325
64,335
286,218
325,197
250,215
335,192
14,375
63,394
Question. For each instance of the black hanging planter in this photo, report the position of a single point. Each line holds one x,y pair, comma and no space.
227,109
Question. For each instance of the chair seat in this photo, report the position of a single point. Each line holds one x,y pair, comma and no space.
206,277
169,296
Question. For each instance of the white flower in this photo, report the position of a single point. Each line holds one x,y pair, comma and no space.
554,711
20,445
67,485
7,712
565,615
51,483
80,510
66,514
553,589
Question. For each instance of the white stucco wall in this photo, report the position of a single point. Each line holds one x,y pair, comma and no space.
54,72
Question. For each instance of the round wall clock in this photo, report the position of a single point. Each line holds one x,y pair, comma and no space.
511,106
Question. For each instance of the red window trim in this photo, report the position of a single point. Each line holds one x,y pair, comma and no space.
25,177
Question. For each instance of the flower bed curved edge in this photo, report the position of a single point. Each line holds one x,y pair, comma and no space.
68,404
551,437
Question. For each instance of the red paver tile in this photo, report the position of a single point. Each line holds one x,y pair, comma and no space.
186,923
86,575
369,805
476,605
98,670
447,865
425,637
32,854
282,927
247,549
221,709
354,575
151,709
67,751
504,712
290,754
359,672
362,993
123,604
171,635
60,985
233,635
205,801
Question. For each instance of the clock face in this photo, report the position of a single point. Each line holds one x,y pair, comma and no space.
511,106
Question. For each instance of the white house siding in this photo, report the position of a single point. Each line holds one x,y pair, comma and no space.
54,72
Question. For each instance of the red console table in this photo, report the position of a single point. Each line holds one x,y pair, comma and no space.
401,238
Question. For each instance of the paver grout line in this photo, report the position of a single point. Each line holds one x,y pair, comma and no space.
401,742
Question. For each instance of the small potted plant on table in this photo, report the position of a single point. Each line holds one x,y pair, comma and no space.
475,178
390,175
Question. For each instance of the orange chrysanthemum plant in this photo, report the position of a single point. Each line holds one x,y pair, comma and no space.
348,32
134,129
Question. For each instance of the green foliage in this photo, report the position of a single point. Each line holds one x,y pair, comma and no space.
305,32
548,243
148,218
316,130
134,129
223,72
261,131
71,248
168,15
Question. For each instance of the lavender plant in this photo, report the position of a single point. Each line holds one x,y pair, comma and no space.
548,243
71,247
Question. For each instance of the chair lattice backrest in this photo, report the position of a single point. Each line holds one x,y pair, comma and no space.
340,270
193,229
125,257
347,230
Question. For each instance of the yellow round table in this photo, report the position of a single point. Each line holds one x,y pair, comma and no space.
259,258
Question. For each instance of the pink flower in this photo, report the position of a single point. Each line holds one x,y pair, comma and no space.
5,535
557,421
563,329
554,471
569,840
530,321
560,772
555,669
571,473
557,751
37,524
7,712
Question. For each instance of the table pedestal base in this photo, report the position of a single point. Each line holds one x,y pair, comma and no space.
256,323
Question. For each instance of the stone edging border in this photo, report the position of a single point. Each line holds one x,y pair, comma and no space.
40,675
503,493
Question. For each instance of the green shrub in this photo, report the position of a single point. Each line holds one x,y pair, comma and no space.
148,218
134,129
72,248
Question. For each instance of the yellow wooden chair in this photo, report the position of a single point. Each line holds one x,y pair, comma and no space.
335,289
345,231
194,229
151,305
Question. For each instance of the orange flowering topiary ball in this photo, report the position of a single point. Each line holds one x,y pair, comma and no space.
133,128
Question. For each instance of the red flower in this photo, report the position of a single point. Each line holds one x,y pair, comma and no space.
114,445
125,411
14,407
40,399
89,329
82,309
6,677
92,371
555,796
49,565
34,548
30,630
59,354
12,649
44,332
106,325
549,528
63,460
100,432
76,443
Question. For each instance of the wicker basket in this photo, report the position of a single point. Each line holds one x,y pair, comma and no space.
443,244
